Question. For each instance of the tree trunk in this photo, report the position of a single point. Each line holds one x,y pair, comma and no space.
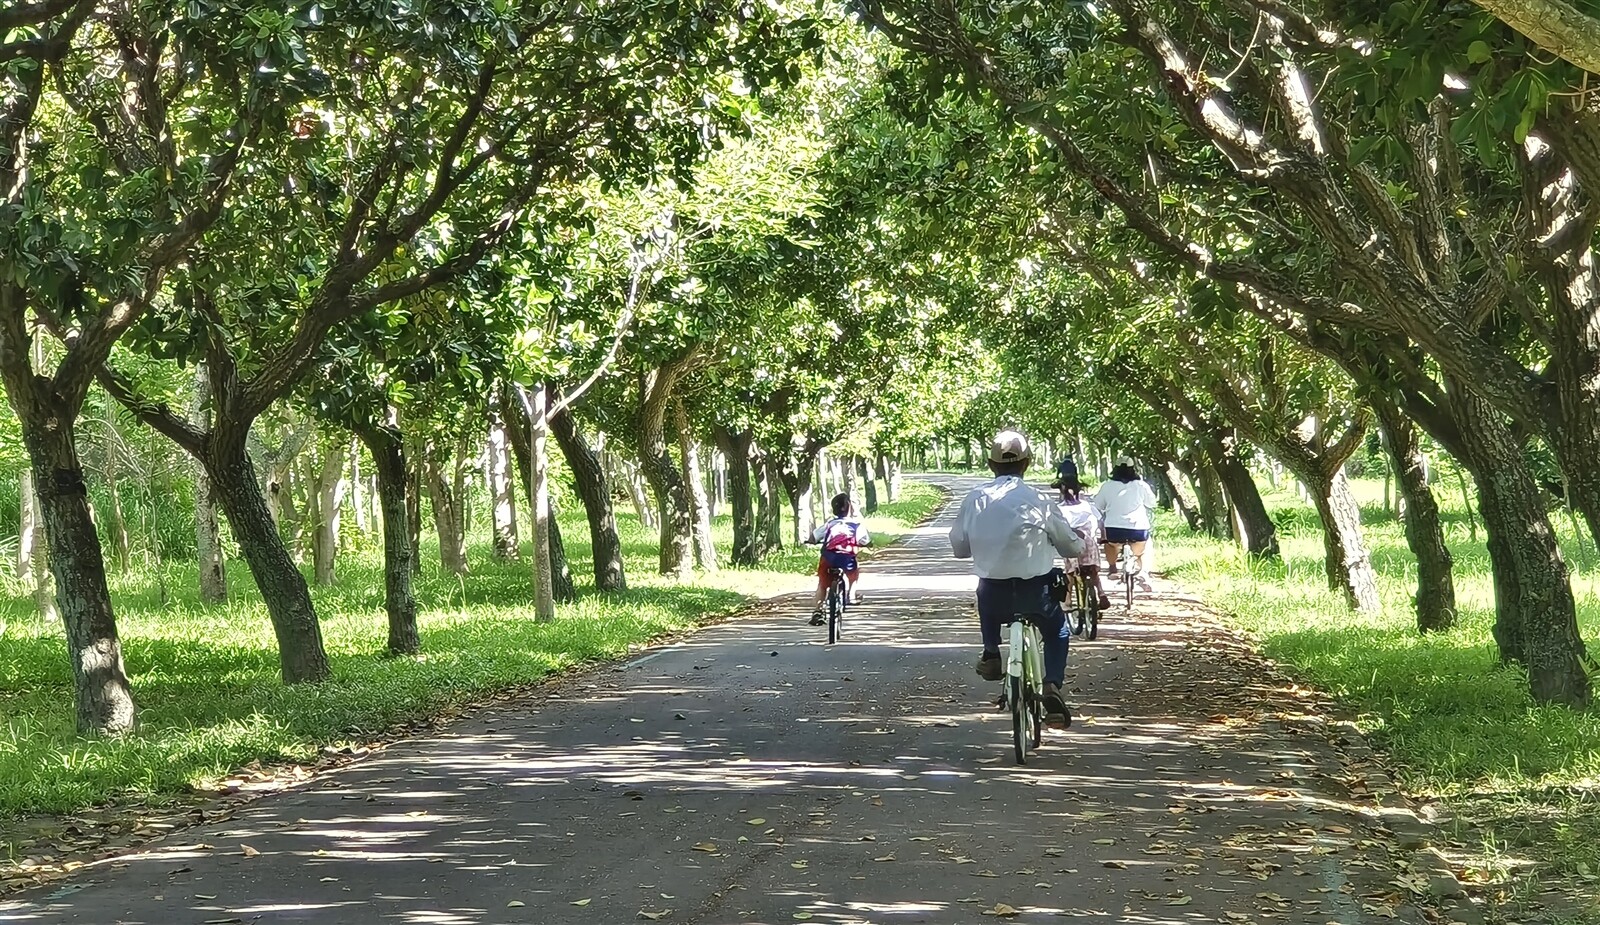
389,459
447,517
705,550
1260,534
798,478
33,552
769,505
1536,620
329,502
1436,592
207,532
414,505
847,483
103,697
869,486
672,499
594,490
119,522
502,498
358,501
633,479
536,407
300,651
1186,508
889,471
1346,559
719,483
736,450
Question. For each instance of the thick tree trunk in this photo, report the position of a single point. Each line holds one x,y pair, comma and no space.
1210,503
1436,593
868,485
294,621
103,698
448,520
1346,559
847,482
1536,620
769,505
889,470
705,550
1260,537
400,603
672,499
207,532
736,450
593,488
33,552
501,497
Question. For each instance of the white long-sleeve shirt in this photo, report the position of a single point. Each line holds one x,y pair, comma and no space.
1009,530
1126,505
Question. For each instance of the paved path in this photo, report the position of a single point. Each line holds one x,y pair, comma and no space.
753,775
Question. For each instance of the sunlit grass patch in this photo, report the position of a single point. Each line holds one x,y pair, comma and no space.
1460,725
207,679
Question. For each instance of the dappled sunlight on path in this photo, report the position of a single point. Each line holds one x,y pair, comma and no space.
751,774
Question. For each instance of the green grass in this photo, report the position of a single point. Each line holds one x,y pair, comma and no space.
206,680
1460,726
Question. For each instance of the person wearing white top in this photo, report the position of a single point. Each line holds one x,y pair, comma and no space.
1012,534
1125,502
1080,512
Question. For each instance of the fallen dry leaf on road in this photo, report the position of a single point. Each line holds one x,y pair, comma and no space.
704,846
654,916
576,902
249,852
1002,910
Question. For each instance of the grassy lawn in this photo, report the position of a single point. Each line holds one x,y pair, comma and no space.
1460,726
207,679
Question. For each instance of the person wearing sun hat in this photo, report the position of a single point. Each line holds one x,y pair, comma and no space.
1012,534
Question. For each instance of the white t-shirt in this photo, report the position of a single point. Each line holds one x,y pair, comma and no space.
1125,505
1009,530
1083,517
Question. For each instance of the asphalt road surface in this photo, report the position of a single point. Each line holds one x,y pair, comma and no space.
752,774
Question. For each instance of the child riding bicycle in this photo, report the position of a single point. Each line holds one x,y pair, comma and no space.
841,537
1084,517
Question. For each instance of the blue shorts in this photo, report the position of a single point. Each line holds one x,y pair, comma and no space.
840,560
1126,535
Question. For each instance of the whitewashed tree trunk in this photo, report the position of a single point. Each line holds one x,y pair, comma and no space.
502,495
358,489
328,504
537,408
33,553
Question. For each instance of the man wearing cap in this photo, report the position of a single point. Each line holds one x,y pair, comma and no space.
1012,534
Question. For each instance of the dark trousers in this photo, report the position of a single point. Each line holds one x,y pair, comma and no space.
1001,599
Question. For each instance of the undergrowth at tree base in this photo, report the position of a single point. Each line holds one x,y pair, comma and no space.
206,679
1518,783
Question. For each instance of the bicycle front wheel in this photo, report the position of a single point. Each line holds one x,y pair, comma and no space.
835,612
1019,717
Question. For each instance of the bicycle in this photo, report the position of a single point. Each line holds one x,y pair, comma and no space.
838,600
1085,605
1023,691
1125,565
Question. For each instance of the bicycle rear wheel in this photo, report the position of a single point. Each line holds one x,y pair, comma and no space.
836,599
1091,610
1127,589
1019,717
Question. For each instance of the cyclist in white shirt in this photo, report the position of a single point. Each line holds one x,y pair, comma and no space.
1125,503
1012,534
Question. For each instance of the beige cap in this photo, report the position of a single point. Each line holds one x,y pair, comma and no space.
1010,447
1125,461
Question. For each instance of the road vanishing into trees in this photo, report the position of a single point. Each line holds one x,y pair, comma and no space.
751,774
